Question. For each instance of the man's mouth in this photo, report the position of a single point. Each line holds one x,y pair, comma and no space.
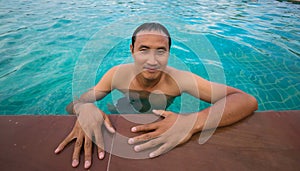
151,69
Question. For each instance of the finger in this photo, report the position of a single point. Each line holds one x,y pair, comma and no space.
147,145
162,113
101,153
65,142
77,149
108,124
143,137
162,149
100,143
145,127
87,152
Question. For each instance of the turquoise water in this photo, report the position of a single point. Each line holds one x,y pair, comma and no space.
41,42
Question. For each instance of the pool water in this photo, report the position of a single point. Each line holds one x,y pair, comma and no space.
42,42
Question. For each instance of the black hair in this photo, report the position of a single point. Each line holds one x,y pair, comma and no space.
150,27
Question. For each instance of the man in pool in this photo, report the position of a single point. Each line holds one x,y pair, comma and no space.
150,86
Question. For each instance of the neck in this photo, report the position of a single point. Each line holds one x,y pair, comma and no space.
148,83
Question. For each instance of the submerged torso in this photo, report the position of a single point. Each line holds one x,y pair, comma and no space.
142,102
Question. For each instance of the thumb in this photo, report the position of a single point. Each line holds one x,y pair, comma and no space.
162,113
108,125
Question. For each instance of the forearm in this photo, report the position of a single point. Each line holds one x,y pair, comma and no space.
88,97
230,109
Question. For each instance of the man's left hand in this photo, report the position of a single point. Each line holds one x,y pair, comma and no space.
173,130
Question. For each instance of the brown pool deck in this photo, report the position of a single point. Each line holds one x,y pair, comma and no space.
264,141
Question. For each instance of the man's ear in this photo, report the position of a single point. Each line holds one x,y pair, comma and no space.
131,48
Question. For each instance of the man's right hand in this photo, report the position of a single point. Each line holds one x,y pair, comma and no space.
88,125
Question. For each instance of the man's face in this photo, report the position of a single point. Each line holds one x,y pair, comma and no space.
150,53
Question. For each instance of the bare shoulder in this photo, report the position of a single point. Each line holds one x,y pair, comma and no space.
179,75
115,77
123,69
120,70
122,75
186,79
121,66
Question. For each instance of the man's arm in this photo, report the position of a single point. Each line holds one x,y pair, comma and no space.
90,96
226,111
89,122
104,86
229,104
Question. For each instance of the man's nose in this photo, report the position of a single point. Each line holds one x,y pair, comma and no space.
152,58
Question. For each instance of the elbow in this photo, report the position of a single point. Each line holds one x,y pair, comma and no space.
69,108
253,103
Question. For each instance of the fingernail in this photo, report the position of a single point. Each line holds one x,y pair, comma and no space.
130,141
133,129
87,164
56,150
151,155
113,130
75,162
101,155
137,148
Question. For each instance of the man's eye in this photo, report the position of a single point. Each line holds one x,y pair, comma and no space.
161,52
143,50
